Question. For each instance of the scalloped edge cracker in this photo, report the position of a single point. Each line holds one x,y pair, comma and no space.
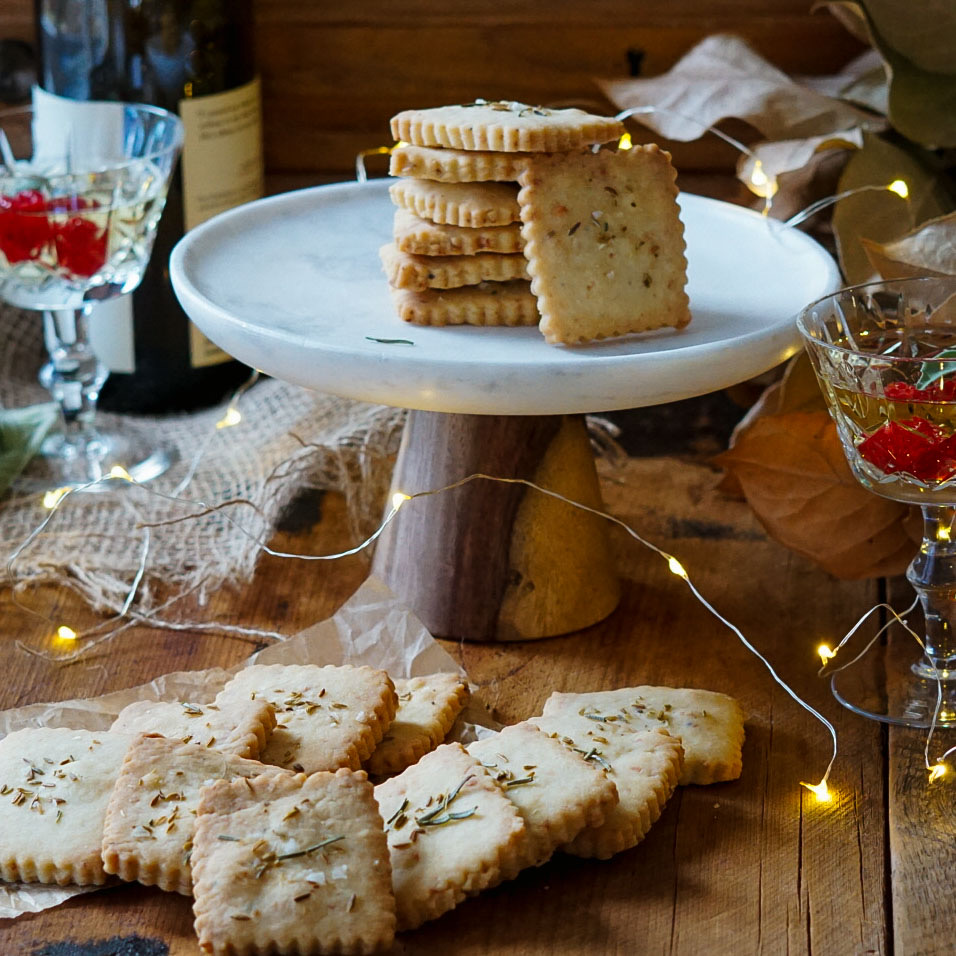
420,273
557,792
292,864
709,724
326,717
604,243
427,709
452,833
55,785
455,165
644,766
458,204
151,817
422,237
238,727
504,126
487,303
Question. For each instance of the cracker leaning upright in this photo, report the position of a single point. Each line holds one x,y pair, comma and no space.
604,243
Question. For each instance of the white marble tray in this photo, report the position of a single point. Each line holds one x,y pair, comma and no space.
292,284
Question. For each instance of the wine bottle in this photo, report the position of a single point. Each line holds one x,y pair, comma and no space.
195,57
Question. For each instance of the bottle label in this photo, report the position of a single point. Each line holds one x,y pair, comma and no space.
222,152
222,167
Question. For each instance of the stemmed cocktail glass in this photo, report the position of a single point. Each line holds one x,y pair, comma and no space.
80,199
885,356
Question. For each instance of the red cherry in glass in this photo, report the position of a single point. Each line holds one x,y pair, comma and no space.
897,445
80,246
23,230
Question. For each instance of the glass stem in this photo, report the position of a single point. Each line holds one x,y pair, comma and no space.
76,377
933,574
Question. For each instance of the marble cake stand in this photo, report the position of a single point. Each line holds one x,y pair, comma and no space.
292,285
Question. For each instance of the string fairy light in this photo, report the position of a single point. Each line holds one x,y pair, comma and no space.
898,187
938,768
399,499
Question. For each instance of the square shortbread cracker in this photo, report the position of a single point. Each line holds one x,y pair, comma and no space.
326,717
452,833
422,237
458,204
504,126
419,273
604,243
239,727
427,708
557,792
455,165
292,864
55,785
644,766
487,303
151,817
710,725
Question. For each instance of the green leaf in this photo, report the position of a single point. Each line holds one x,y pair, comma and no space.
918,42
22,431
924,33
930,249
931,375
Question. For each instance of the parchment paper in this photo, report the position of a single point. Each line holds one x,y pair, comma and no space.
373,627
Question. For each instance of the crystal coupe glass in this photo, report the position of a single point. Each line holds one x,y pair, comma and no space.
885,357
79,204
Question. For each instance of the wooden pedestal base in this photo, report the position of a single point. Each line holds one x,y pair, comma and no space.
491,561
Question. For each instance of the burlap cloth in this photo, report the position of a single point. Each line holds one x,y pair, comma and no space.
290,439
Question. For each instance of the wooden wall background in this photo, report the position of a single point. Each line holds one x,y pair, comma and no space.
334,72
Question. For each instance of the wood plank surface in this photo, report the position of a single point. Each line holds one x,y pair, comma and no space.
756,865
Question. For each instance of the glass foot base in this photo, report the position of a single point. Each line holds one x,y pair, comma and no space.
62,466
883,686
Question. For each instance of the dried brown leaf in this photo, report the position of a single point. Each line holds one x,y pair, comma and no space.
930,249
796,480
783,156
723,77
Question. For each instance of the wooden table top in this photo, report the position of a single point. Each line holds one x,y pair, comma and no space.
756,865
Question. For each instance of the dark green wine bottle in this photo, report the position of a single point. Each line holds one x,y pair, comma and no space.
194,57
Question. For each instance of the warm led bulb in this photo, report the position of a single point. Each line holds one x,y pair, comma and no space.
398,499
232,417
943,533
65,633
53,497
819,790
899,187
118,471
760,183
826,653
676,567
937,771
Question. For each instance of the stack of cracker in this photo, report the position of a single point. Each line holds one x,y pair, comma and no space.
511,214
